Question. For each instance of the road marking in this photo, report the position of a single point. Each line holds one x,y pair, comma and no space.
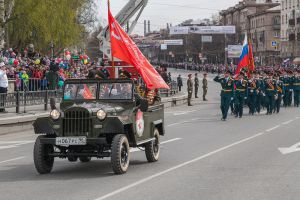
138,183
288,122
5,161
172,140
272,129
292,149
13,144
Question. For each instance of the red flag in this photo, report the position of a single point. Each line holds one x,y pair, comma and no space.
251,64
123,48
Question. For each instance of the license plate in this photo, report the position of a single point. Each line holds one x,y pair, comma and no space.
68,141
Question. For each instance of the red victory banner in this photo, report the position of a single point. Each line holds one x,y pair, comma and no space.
123,48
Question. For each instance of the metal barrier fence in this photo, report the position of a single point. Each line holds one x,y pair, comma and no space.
32,84
23,99
172,91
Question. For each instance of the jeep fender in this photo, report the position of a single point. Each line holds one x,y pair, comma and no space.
159,124
43,126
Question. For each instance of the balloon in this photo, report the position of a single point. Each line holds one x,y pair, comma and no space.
85,61
37,61
67,53
11,61
16,62
85,57
68,57
61,65
60,84
80,57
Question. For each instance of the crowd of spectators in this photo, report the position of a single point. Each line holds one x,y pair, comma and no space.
31,71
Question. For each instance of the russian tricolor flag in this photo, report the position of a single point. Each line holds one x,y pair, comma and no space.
244,57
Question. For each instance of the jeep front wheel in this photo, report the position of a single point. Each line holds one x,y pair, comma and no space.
120,154
42,161
152,149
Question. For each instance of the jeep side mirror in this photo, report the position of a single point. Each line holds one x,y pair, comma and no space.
144,105
52,103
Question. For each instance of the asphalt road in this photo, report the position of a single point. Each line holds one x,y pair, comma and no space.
202,158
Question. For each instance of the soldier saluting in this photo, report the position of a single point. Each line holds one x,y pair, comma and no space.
227,92
240,95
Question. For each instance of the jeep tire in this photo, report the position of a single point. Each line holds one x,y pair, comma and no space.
42,161
120,154
152,149
85,159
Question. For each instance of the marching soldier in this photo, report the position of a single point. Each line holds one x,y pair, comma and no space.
278,97
270,91
227,92
252,94
190,89
204,86
259,98
240,95
287,92
179,82
196,82
296,88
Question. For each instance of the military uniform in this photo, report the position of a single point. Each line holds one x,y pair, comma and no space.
252,95
296,89
287,92
280,90
270,91
227,94
240,96
190,89
196,81
204,87
259,97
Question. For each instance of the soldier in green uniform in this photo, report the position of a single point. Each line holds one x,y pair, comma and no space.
240,95
227,92
190,89
296,88
287,92
196,82
252,94
204,86
280,90
259,97
270,91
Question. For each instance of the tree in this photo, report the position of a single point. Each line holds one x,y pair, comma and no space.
42,22
6,7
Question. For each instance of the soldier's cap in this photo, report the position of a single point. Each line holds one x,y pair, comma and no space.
196,74
124,74
205,74
189,75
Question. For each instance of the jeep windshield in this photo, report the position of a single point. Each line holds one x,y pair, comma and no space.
113,91
80,91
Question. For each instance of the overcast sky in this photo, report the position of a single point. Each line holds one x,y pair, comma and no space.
161,12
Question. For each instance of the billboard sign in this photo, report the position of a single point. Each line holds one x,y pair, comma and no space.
206,38
179,30
234,51
173,42
183,30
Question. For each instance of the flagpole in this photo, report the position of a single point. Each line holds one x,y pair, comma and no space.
112,57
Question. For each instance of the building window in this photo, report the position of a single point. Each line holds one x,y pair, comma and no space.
276,34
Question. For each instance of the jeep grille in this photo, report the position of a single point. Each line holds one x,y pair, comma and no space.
76,122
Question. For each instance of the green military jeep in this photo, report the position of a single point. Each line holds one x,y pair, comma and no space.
98,118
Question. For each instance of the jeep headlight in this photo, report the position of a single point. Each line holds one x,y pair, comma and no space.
101,114
55,114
